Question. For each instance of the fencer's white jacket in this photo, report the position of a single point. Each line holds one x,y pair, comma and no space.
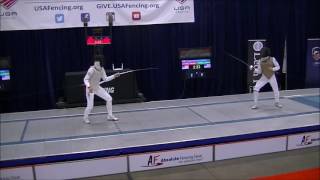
275,68
93,77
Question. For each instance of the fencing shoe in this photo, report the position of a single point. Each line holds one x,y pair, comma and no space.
254,107
112,118
278,105
86,120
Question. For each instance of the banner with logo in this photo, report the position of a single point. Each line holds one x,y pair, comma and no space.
313,63
48,14
170,158
254,48
299,141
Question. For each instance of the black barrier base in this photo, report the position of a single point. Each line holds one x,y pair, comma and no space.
122,89
100,102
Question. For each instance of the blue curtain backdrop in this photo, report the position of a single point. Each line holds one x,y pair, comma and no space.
41,58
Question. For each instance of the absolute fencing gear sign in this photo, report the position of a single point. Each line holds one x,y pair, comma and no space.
91,80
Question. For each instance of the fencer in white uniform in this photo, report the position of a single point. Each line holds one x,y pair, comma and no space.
267,65
91,81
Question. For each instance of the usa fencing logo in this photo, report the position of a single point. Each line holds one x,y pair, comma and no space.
7,3
181,1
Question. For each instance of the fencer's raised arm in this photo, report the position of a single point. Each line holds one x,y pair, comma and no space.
105,77
87,77
276,64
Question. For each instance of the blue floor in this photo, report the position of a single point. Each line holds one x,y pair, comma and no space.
313,101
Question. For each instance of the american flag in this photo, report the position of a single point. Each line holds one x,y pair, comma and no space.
7,3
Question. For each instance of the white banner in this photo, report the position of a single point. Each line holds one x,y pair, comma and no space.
82,169
16,173
170,158
48,14
299,141
250,148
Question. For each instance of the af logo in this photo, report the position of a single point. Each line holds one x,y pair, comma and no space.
153,161
306,140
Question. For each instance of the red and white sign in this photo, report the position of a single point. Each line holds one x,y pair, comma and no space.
136,16
98,40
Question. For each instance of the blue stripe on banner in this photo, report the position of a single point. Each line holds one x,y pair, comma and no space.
151,148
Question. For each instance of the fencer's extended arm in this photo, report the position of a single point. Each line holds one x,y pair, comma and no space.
276,65
105,77
88,77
